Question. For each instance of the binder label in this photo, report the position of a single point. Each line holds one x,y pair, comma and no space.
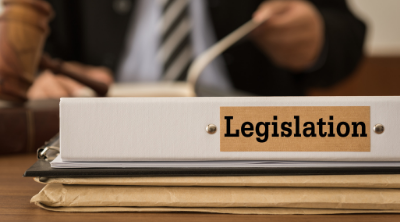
301,128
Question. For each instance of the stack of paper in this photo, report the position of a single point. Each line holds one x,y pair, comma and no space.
59,163
236,195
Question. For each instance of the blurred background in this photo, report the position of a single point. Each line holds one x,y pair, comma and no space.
23,128
379,72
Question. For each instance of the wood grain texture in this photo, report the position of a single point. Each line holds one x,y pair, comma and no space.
376,76
24,128
16,191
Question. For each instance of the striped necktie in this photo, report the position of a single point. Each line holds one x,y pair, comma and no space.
175,52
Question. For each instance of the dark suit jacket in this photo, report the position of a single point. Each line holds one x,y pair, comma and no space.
93,32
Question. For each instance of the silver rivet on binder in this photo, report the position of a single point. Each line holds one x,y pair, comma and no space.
50,150
379,128
211,128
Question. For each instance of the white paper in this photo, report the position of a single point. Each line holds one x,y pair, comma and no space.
59,163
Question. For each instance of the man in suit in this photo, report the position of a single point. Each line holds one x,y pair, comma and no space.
301,44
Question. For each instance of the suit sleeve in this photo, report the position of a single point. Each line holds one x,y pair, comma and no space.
62,41
343,49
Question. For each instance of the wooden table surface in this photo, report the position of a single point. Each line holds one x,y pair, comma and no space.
16,191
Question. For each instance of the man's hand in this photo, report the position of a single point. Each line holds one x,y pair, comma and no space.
48,85
293,34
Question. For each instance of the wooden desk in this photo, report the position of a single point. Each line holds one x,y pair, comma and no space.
376,76
16,191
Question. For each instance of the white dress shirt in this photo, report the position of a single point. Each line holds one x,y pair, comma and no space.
139,62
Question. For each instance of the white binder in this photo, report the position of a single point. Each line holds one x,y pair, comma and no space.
174,129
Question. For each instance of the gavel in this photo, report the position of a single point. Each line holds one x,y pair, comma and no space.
24,26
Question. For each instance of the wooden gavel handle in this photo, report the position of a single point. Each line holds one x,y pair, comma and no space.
56,66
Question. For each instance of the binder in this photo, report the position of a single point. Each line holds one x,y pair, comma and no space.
43,169
178,129
49,151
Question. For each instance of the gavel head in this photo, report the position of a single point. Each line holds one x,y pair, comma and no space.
23,31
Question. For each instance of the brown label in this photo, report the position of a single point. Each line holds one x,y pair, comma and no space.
302,128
